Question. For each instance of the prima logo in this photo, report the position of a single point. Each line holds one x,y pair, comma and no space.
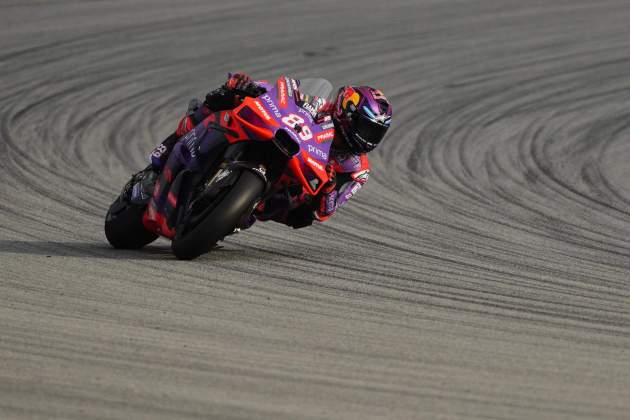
318,152
271,105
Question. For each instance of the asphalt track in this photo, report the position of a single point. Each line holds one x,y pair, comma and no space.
484,272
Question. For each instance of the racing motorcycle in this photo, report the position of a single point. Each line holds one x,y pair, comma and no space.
221,170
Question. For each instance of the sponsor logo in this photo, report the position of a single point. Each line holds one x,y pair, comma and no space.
190,140
350,97
312,110
271,105
282,93
353,191
315,163
262,110
294,84
325,136
288,86
316,151
327,126
331,203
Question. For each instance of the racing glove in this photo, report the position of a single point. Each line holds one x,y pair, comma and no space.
239,81
229,95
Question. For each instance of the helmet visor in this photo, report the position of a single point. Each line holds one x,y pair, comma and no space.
367,129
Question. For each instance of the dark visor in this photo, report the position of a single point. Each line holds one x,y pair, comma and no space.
368,130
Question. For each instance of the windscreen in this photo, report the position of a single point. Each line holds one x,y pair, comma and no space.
316,87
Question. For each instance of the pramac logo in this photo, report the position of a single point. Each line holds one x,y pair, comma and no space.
282,93
325,136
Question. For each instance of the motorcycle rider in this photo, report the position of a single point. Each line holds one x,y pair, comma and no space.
361,116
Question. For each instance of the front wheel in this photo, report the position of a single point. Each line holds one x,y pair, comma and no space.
234,206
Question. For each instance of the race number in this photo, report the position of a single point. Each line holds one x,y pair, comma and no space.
292,120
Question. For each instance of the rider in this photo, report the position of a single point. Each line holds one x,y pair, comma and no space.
361,116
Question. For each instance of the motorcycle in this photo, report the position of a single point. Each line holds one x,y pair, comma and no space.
218,173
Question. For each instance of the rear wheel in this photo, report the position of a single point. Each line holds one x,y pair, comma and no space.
228,212
123,223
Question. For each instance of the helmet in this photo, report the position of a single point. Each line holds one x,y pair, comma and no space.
361,116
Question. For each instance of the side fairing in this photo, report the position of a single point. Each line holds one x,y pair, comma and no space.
314,138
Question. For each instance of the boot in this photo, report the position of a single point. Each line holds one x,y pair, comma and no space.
142,189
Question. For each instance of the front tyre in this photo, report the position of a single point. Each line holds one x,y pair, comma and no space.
222,220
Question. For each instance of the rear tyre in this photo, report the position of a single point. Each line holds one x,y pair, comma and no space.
123,225
227,215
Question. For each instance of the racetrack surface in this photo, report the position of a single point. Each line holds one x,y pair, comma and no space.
483,272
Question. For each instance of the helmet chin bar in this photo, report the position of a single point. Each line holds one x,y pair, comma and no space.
345,136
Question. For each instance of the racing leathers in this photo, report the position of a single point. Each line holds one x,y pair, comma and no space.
290,206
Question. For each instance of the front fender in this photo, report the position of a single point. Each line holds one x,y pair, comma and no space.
256,168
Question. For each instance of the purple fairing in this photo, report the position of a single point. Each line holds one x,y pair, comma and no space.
187,149
197,143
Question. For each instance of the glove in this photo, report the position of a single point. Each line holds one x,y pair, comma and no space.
241,82
229,95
